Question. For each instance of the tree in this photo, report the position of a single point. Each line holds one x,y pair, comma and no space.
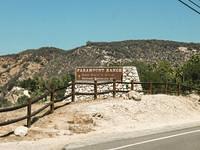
29,84
165,72
191,71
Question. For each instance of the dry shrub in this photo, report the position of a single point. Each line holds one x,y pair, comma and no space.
81,123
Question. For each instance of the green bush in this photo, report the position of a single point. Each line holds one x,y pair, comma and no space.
57,82
29,84
22,100
59,94
5,103
191,71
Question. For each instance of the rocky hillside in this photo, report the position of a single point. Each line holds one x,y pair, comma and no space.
49,61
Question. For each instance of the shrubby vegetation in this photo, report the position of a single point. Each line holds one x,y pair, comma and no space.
163,71
38,85
58,82
4,103
22,100
191,71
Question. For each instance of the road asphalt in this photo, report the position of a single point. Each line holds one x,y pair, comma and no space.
185,139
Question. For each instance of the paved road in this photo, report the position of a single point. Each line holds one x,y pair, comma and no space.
187,139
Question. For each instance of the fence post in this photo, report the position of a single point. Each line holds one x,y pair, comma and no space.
166,87
29,113
114,87
52,102
73,91
198,92
150,87
178,89
95,89
132,85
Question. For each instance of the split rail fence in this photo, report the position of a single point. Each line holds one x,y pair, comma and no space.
148,88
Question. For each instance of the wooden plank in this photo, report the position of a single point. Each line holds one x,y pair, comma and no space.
52,102
79,93
114,87
105,92
13,121
122,91
123,82
85,83
29,113
40,109
132,85
178,89
150,88
12,108
73,91
95,89
65,97
23,105
104,83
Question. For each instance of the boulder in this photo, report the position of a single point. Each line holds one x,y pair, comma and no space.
21,131
134,95
16,92
26,93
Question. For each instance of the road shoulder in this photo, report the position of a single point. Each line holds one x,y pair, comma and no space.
153,132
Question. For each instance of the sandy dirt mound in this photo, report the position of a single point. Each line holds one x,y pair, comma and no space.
153,110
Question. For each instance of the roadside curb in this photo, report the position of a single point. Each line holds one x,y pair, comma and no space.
107,137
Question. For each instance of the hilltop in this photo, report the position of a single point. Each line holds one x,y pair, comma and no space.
51,61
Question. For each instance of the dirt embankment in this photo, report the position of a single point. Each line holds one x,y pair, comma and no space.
109,116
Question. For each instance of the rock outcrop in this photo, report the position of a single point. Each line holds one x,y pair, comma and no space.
16,93
134,95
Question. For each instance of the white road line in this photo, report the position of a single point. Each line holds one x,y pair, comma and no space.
153,140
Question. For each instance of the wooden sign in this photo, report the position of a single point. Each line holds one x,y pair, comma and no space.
97,73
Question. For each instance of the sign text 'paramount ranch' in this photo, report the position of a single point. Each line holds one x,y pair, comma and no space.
108,73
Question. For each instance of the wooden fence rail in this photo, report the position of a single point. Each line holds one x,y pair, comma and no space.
148,88
23,105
